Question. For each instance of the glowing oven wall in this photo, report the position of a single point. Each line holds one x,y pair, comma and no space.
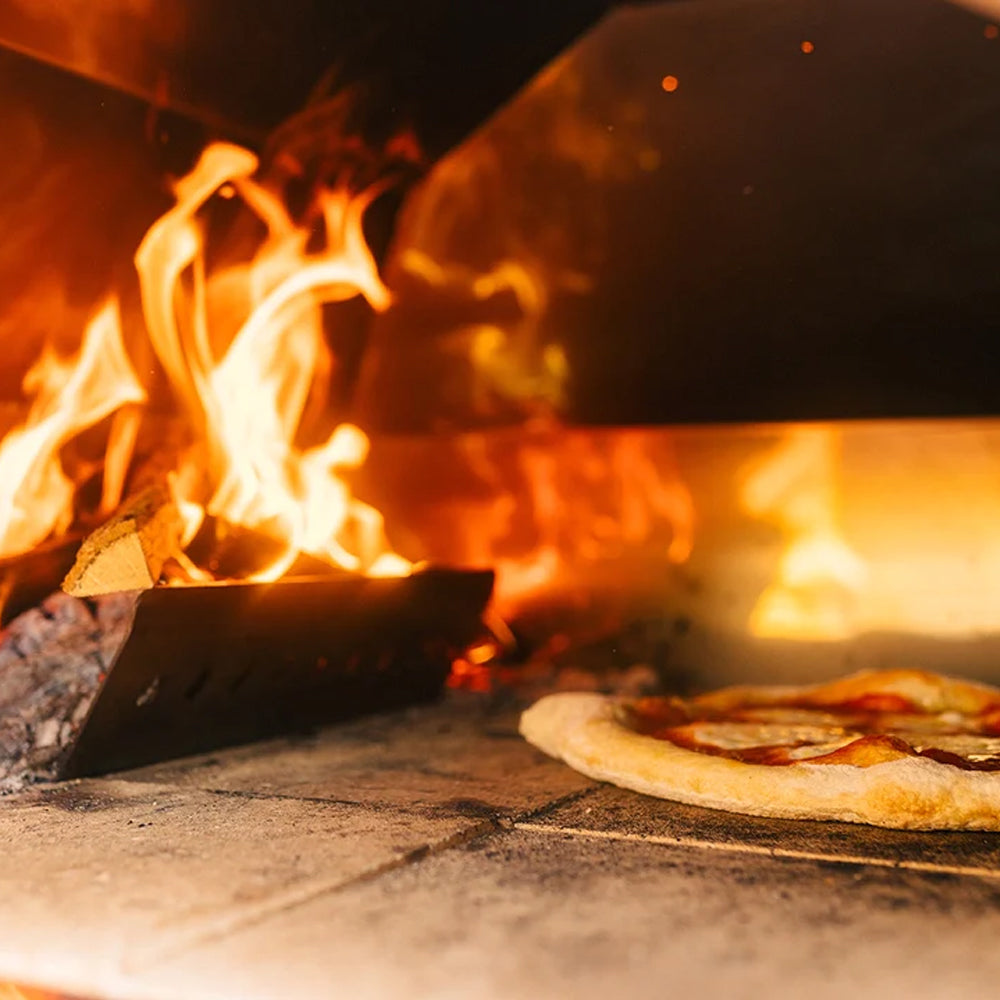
707,213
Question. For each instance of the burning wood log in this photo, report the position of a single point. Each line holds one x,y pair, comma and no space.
128,551
52,661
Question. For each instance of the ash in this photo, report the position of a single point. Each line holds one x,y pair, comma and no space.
52,661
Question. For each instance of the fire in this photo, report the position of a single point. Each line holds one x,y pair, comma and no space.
506,359
818,577
247,403
887,527
558,512
592,500
68,397
243,349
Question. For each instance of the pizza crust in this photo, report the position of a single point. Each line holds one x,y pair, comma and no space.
914,793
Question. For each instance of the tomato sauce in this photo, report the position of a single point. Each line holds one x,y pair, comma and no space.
876,721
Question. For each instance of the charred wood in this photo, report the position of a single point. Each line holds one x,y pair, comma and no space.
27,579
234,552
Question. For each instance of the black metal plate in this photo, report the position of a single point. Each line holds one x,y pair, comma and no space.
206,667
402,57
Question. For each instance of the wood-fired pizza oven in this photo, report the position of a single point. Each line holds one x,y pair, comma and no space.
371,368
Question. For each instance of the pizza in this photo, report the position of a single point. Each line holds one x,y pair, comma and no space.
894,748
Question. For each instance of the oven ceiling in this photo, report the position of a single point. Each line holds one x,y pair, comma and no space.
242,69
817,237
822,239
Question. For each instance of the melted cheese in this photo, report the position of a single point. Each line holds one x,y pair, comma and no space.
747,735
803,734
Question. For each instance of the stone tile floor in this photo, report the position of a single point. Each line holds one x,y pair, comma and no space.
433,853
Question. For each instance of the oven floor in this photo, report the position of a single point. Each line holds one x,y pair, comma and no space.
435,854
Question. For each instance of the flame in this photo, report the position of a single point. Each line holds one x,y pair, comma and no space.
593,499
246,402
554,510
501,238
887,527
242,346
819,577
507,359
68,396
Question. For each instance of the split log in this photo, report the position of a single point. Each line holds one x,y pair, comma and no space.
128,551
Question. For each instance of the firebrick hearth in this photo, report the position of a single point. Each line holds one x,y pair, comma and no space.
433,853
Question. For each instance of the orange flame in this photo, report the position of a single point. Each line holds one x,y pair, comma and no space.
69,396
506,358
819,577
592,499
556,511
243,393
248,403
888,527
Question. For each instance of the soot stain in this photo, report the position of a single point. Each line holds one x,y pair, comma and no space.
471,808
71,798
